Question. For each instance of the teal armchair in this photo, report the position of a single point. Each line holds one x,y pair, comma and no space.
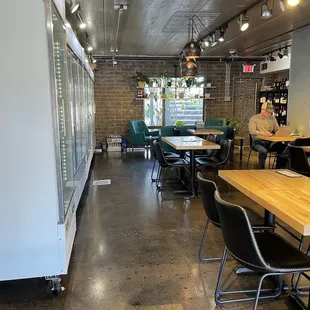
215,122
140,134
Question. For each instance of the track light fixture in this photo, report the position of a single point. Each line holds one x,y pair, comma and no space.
214,40
82,24
292,2
243,22
75,8
265,11
285,53
207,42
280,55
282,5
222,33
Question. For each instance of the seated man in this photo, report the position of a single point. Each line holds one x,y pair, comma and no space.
264,124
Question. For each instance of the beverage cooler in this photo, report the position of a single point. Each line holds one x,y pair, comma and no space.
47,139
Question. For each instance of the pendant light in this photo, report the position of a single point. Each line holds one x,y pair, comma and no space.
292,2
189,68
191,49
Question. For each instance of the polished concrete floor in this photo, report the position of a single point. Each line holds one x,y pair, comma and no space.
133,251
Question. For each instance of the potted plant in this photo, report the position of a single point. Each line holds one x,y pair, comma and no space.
234,123
190,82
180,82
176,129
209,84
142,79
164,77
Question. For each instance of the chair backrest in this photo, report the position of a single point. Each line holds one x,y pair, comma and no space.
159,154
215,122
231,132
238,234
152,148
138,126
224,152
211,138
207,189
302,142
251,142
298,160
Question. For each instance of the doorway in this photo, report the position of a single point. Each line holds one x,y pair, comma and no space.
245,103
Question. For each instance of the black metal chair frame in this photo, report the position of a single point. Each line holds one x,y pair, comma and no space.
164,165
252,149
265,269
215,220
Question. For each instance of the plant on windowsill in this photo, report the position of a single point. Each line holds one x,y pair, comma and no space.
176,129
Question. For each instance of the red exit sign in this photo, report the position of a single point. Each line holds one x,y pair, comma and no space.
248,68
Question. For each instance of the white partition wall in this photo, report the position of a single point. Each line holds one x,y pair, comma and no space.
47,140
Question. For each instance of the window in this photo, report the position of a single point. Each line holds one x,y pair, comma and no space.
182,101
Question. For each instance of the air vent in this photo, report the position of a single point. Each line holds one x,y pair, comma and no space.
179,21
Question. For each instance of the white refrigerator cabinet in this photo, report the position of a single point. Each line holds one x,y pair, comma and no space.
47,140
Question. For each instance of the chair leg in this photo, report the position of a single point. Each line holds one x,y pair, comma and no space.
260,288
204,260
153,180
247,163
296,287
219,293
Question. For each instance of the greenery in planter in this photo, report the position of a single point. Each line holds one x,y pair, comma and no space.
179,124
234,123
142,78
190,82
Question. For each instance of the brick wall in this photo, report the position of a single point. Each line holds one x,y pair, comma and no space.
115,91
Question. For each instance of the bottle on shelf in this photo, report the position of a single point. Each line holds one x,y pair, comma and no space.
276,98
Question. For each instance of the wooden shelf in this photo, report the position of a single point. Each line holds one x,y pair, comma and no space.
211,87
179,99
275,91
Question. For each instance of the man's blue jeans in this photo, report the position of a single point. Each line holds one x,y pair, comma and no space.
263,147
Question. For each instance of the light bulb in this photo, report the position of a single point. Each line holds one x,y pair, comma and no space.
82,25
292,2
244,26
89,48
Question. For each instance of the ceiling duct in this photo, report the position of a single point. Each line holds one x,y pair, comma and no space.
121,8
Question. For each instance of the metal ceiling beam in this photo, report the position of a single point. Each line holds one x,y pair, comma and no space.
176,58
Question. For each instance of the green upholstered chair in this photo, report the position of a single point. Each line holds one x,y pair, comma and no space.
215,122
140,134
166,131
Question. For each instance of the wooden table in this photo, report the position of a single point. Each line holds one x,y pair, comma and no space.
179,143
306,149
283,197
204,132
278,138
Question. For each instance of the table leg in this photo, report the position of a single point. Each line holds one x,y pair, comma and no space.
241,149
269,218
193,169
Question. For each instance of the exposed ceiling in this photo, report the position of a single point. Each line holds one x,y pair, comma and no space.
159,27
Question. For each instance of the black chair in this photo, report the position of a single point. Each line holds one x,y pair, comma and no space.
220,160
207,189
252,149
205,153
298,160
264,252
167,156
167,163
302,142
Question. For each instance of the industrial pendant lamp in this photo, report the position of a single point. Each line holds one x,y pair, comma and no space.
189,68
191,49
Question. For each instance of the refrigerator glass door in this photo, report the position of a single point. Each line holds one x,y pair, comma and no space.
63,107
